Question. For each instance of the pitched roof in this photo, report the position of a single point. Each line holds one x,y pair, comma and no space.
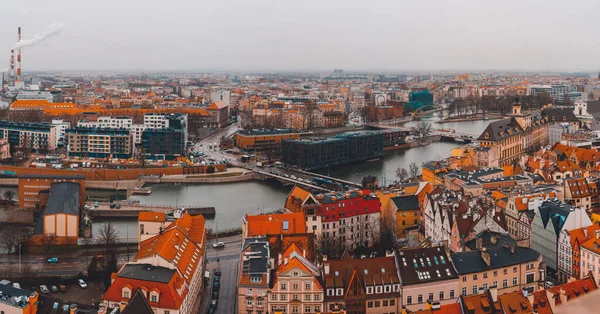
368,271
515,303
472,262
408,202
572,290
559,115
64,199
422,265
152,216
501,129
271,224
217,105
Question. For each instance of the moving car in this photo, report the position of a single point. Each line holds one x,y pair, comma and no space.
218,245
53,260
62,288
54,288
82,283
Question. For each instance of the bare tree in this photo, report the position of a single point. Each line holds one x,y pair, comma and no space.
423,129
413,169
87,242
108,235
331,246
49,240
8,239
402,174
9,195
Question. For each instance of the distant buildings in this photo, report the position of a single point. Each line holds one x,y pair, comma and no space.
99,142
163,144
253,141
34,189
33,136
420,99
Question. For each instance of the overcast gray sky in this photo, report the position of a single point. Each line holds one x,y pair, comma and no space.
279,35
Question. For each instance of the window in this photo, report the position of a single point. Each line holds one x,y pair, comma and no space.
474,290
295,286
505,271
274,297
259,292
307,297
249,292
420,299
317,309
485,287
495,284
370,304
392,302
464,278
316,297
464,291
504,283
377,303
307,309
283,297
514,269
485,275
430,296
530,277
514,281
153,298
126,294
282,287
385,303
441,295
294,297
451,294
295,309
495,273
249,302
166,312
409,299
474,277
259,302
307,286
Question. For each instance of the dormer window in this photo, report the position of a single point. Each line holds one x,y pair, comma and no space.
487,135
126,292
565,118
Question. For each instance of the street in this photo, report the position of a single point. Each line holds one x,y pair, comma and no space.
226,259
216,153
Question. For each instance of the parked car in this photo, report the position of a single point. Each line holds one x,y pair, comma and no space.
62,288
218,245
217,272
214,303
82,283
215,295
216,285
54,288
16,285
53,260
217,279
44,289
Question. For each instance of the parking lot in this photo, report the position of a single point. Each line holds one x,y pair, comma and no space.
74,294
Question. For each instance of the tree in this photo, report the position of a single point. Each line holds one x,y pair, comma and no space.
87,241
331,246
402,174
108,236
9,195
423,129
49,240
413,169
8,239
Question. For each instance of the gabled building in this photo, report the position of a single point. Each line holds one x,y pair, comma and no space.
173,262
365,285
569,250
426,274
254,277
296,285
553,299
506,267
551,218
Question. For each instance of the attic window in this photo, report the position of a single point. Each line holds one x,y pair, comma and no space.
286,225
487,135
564,118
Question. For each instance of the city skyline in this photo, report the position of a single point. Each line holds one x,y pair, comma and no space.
309,36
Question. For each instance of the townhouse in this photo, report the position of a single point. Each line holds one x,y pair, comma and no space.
569,251
168,267
426,275
362,285
590,256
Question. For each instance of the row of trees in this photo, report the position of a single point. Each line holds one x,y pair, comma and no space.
413,172
474,105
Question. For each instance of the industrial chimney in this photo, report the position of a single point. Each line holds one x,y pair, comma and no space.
12,64
19,78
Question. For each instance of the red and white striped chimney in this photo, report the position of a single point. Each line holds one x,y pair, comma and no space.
12,64
19,78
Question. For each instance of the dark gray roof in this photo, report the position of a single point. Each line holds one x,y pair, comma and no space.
423,265
64,198
486,237
138,304
593,107
408,202
51,176
471,262
498,130
560,115
147,272
9,293
257,258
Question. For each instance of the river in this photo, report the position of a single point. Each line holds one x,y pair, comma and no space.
233,200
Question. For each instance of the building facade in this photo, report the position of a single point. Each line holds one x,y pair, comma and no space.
38,137
99,142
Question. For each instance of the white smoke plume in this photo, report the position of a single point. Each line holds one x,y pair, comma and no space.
4,70
52,30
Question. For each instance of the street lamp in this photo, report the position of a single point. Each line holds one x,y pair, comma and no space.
19,258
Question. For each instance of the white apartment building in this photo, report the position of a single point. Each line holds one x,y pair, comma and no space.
108,122
61,126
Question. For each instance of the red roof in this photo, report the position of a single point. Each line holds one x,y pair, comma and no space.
271,224
169,298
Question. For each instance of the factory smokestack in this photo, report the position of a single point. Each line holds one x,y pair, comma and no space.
19,78
12,64
53,29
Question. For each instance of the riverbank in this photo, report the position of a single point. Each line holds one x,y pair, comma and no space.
492,116
118,185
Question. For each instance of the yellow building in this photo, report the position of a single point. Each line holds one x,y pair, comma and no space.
265,140
434,171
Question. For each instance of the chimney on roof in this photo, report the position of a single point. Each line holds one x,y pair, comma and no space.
479,243
596,234
563,296
279,258
551,300
486,257
324,258
494,294
493,239
326,268
122,306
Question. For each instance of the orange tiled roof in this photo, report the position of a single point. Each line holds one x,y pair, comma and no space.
41,104
152,216
572,290
272,224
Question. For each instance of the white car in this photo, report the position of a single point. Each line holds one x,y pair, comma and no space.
218,245
44,289
82,283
